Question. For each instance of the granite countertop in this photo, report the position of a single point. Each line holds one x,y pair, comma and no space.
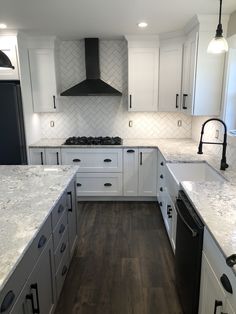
214,201
27,196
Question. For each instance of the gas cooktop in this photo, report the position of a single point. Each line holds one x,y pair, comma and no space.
93,140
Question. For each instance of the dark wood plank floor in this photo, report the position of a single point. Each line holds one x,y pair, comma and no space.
123,263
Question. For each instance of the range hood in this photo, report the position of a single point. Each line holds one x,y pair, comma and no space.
93,85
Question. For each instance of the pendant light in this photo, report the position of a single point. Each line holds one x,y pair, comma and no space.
218,44
5,62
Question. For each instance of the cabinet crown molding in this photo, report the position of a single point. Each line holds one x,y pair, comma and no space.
142,41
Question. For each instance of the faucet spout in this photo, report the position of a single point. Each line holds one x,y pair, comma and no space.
223,164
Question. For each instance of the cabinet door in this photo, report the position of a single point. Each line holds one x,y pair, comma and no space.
147,172
72,216
37,156
52,156
43,79
189,69
170,75
8,46
212,296
143,79
131,172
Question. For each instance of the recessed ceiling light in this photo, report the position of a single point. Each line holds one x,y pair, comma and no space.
142,24
2,26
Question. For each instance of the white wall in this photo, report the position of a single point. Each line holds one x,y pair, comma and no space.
232,25
101,116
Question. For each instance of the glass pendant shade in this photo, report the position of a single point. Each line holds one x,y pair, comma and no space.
5,61
218,45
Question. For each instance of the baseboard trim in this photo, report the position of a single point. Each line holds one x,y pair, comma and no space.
117,198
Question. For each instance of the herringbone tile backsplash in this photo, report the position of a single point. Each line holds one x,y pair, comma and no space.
101,116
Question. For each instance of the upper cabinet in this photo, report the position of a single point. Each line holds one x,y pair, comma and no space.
170,76
190,79
143,58
42,65
8,44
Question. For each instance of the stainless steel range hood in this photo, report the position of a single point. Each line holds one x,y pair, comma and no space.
93,85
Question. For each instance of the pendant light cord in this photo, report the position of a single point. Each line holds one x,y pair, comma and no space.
220,11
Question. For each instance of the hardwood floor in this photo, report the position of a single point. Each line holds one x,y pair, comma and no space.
123,263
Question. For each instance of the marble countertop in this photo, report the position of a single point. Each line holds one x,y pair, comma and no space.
215,202
27,196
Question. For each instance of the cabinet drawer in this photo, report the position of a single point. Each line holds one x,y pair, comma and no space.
60,230
62,272
25,266
61,249
99,184
59,210
93,159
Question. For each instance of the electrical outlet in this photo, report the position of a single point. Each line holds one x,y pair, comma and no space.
217,134
179,123
130,123
52,124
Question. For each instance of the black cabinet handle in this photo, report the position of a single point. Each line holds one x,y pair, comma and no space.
161,189
30,297
107,184
176,101
184,101
130,151
231,260
130,101
217,303
107,160
161,176
54,102
7,301
78,184
35,287
162,163
71,204
76,160
63,247
161,204
64,270
62,228
58,158
60,209
226,283
42,241
141,158
41,155
169,210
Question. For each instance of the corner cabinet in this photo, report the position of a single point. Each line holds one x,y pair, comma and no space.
143,59
43,79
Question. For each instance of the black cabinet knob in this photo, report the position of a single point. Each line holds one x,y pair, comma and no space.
162,163
161,204
161,176
7,301
78,184
130,151
161,189
60,209
107,160
76,160
107,184
231,260
226,283
42,241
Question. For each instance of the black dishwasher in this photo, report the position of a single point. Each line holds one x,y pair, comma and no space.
188,254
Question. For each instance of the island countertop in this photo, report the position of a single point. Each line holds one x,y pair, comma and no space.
27,196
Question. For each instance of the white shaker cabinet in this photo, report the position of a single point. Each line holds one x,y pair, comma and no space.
45,156
140,166
37,156
43,79
170,76
143,74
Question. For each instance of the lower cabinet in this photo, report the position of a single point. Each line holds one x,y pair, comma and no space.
140,167
45,156
38,294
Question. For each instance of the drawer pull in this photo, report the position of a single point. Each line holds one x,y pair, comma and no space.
62,229
42,241
58,159
35,287
63,247
107,184
71,203
162,163
161,176
107,160
231,260
60,209
64,270
78,184
226,283
7,301
76,160
217,303
130,151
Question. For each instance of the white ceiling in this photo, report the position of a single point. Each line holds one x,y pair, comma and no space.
72,19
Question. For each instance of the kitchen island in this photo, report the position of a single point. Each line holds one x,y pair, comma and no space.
34,200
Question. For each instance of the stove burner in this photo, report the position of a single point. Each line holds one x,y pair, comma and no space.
93,140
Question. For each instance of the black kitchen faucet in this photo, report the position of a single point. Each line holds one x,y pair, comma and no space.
223,163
